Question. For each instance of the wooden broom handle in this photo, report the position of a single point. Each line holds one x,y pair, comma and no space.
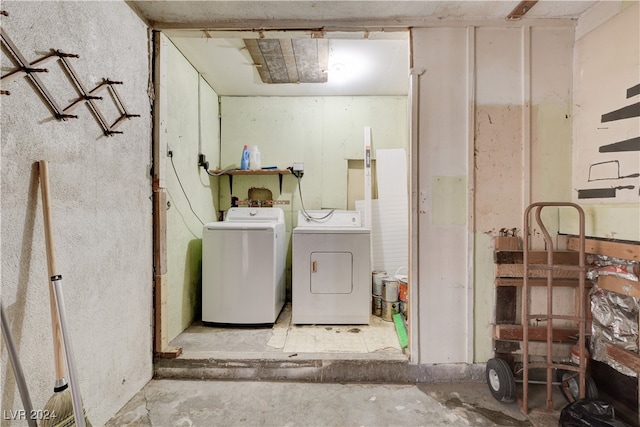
58,350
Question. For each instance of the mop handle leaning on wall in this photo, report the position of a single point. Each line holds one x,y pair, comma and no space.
78,413
17,370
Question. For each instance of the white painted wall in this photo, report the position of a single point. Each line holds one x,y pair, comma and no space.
101,206
192,127
494,136
442,188
606,64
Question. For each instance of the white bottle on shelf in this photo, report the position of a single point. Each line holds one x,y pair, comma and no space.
254,159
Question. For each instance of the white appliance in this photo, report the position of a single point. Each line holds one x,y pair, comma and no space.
331,262
243,267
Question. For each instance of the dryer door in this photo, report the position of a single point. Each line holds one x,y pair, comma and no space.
331,272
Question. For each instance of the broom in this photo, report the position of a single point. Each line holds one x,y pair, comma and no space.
60,408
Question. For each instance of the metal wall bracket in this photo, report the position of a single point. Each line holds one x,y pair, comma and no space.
32,70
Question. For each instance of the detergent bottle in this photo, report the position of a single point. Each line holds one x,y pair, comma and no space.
254,159
244,163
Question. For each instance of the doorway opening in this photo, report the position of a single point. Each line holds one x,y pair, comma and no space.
319,124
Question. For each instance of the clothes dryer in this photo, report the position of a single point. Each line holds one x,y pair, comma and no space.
331,269
243,267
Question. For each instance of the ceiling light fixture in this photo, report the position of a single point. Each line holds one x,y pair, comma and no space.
338,67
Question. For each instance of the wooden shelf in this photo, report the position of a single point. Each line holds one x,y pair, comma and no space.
508,264
624,250
535,257
536,333
539,281
628,358
252,172
509,269
248,172
619,285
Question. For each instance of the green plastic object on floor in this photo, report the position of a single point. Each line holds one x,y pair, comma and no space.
401,330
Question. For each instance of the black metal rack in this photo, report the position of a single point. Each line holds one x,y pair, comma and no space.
89,97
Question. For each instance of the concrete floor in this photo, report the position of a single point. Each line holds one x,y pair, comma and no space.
283,339
249,403
314,375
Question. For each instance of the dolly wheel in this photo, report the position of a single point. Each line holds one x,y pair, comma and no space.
570,386
500,380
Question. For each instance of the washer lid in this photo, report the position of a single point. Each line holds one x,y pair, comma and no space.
237,225
255,215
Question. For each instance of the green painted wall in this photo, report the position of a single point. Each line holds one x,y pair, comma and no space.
322,132
192,127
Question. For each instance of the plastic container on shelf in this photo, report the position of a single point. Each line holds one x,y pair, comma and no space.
244,162
254,159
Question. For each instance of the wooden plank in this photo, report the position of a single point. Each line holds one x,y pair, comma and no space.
506,243
517,270
170,353
506,304
289,59
628,358
536,257
523,7
518,281
506,347
160,231
160,336
271,51
624,250
160,268
508,350
619,285
258,60
308,53
536,333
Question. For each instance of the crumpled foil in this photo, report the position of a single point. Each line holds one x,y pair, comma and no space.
615,320
603,265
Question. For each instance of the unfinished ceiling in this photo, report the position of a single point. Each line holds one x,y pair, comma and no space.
290,60
326,14
367,41
373,66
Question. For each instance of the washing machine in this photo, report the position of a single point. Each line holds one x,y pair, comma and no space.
243,267
331,269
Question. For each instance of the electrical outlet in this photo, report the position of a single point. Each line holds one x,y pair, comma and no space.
169,151
297,169
202,161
